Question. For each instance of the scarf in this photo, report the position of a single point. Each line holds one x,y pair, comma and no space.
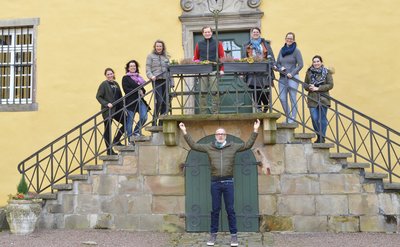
256,44
220,145
287,50
318,76
136,77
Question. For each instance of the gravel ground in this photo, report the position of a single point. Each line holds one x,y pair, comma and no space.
335,240
88,238
82,238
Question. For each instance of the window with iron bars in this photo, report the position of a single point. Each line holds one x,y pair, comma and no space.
17,68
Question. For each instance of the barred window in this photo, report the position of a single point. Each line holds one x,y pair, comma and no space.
17,66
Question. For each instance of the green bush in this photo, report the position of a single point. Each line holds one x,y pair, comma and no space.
22,186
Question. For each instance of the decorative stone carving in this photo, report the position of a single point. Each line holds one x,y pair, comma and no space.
253,3
187,5
230,6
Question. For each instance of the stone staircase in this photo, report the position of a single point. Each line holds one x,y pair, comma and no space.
310,189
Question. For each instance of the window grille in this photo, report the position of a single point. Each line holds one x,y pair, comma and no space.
16,65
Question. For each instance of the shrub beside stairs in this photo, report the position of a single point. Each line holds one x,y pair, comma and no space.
310,189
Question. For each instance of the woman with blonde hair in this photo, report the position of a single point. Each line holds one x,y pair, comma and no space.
157,71
290,62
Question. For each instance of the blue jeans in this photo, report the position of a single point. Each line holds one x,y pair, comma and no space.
140,123
226,189
319,120
288,86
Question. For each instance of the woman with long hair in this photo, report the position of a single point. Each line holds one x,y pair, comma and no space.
290,62
320,81
259,82
157,71
109,92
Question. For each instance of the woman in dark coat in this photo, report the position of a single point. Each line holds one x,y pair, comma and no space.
108,92
260,82
320,81
135,102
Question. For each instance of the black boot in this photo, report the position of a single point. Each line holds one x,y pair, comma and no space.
318,139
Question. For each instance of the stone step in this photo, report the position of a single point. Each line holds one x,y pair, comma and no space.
391,186
286,125
93,167
323,145
109,157
340,155
304,135
141,138
375,175
55,208
154,129
62,187
129,148
78,177
358,165
48,196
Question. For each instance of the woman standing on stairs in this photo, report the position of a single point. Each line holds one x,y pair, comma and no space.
108,92
290,62
132,82
157,71
320,81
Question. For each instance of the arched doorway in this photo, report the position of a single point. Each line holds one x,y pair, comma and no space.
197,190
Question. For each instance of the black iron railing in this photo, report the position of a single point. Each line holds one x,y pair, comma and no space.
82,145
367,139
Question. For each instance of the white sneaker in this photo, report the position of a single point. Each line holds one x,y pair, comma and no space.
234,240
213,238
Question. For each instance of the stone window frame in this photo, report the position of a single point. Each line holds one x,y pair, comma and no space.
193,23
32,24
227,22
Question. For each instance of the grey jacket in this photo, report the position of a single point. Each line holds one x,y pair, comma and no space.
293,63
156,65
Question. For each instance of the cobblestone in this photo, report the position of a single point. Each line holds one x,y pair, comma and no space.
118,238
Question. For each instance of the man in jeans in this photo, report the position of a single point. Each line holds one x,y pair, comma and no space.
222,155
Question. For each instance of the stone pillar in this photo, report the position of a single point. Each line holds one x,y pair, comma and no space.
169,131
269,130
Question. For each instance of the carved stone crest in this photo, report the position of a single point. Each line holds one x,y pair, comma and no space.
201,6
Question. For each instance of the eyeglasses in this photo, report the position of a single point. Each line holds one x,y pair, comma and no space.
220,134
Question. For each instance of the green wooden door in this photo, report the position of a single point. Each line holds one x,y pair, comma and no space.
232,89
198,197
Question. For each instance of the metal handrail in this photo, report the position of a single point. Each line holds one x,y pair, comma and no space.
84,143
55,161
367,139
